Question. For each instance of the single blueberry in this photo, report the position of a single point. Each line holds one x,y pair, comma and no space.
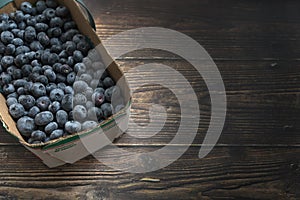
107,110
43,103
38,90
27,101
26,126
79,113
38,135
56,134
88,125
61,118
73,127
43,118
16,110
51,127
54,107
33,111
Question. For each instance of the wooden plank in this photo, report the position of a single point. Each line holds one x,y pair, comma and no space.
227,29
226,172
261,109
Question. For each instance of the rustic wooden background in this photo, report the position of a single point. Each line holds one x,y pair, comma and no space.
256,46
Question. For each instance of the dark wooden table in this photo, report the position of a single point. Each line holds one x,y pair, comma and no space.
257,156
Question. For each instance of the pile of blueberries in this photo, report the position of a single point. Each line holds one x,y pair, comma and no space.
54,84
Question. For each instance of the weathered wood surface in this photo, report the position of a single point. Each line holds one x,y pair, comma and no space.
257,156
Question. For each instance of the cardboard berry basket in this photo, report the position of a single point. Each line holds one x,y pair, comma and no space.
75,147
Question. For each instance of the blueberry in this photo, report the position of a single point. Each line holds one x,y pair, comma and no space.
98,65
38,90
54,107
11,101
88,93
33,111
31,21
89,105
7,37
57,95
36,45
2,48
43,118
4,17
53,58
10,70
51,3
50,87
21,91
112,93
69,34
13,95
73,127
94,83
100,74
108,82
61,118
12,24
37,70
63,54
67,102
51,127
60,78
17,42
54,32
10,49
95,113
79,68
47,67
19,16
99,90
56,134
43,38
69,25
19,83
77,55
22,26
7,61
44,57
26,70
21,34
27,101
107,110
36,63
86,78
38,135
71,78
70,47
22,50
41,27
43,103
56,22
30,34
50,74
61,86
5,78
49,13
16,110
78,38
28,87
8,89
42,79
41,6
41,18
55,41
69,90
26,126
118,108
30,55
70,61
80,86
56,49
79,113
80,99
83,47
26,7
88,125
98,98
4,26
62,11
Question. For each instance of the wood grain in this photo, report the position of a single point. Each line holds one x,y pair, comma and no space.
257,156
